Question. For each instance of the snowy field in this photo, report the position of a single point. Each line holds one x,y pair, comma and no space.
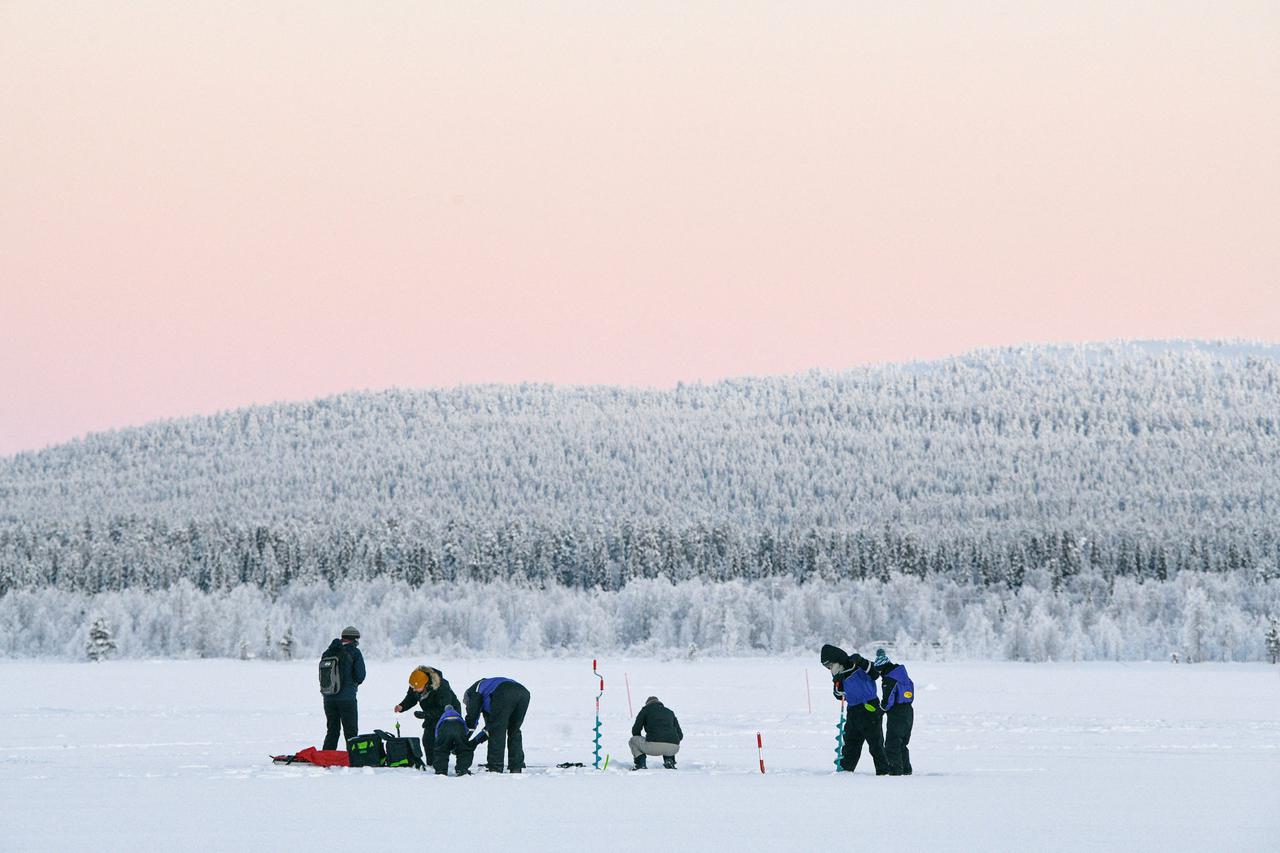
171,755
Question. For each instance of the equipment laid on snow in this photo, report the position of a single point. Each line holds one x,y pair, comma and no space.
403,752
367,750
318,757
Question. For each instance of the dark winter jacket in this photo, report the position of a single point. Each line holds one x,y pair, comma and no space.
896,687
479,698
450,715
432,699
657,723
350,669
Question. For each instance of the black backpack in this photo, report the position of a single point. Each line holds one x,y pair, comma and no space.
330,673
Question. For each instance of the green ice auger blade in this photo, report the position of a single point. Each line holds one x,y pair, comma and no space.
839,738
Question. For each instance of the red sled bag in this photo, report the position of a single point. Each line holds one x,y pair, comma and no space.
318,757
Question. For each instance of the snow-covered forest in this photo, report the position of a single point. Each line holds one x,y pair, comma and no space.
1034,503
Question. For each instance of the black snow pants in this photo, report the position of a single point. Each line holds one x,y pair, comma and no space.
339,712
507,708
897,734
429,738
452,740
861,725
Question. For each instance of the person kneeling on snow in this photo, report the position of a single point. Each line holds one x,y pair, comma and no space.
898,695
504,703
429,690
661,734
451,737
853,684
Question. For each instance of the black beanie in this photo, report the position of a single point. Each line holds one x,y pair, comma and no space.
833,654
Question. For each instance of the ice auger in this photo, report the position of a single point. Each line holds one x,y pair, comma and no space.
595,672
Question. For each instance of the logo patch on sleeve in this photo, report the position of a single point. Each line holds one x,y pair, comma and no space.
906,694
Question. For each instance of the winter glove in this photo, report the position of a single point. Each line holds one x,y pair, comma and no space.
837,692
421,715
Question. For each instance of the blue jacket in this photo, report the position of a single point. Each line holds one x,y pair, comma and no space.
858,688
479,698
450,715
899,689
350,669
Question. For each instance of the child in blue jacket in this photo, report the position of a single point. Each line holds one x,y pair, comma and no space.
899,693
852,682
452,738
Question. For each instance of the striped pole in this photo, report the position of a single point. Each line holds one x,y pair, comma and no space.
760,750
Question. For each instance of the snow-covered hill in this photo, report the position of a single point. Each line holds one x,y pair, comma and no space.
1143,459
1166,435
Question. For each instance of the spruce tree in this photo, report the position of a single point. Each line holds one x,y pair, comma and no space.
1273,641
100,644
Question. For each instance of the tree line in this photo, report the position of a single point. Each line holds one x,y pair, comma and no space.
125,553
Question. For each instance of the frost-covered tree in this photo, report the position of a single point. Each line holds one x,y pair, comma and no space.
1273,641
1034,503
286,644
100,644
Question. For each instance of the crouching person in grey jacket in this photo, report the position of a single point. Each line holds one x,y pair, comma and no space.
656,732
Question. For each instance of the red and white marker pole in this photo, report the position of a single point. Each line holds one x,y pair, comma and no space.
760,750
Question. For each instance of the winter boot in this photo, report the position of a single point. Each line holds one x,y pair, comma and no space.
640,763
669,762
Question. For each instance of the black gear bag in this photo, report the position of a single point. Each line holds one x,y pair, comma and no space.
366,750
403,751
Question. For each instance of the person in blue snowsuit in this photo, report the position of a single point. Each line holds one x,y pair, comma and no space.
503,702
852,682
898,695
451,737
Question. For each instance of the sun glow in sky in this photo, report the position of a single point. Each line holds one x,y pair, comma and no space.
207,205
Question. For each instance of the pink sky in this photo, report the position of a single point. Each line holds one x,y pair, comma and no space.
208,205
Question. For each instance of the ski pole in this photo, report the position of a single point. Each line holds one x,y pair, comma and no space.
760,750
595,672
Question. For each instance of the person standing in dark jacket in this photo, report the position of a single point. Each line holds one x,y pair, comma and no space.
898,695
340,708
656,732
429,690
451,737
503,702
852,683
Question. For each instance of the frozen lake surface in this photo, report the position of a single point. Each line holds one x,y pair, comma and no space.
170,755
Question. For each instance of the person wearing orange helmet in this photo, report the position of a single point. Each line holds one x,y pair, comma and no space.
429,690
